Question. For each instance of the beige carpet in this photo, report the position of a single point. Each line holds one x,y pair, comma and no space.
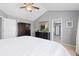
70,49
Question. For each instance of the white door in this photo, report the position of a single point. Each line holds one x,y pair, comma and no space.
57,30
52,30
77,39
9,28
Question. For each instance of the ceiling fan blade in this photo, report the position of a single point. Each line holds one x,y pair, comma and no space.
23,7
30,3
35,7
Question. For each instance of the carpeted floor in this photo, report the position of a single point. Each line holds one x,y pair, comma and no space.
70,49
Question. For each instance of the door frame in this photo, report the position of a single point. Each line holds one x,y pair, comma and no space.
52,28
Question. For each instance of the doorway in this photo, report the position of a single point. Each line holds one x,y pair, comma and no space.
56,27
23,29
57,32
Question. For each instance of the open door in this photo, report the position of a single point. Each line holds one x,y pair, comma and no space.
52,30
56,26
77,40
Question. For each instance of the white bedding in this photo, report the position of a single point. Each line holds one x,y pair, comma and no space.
31,46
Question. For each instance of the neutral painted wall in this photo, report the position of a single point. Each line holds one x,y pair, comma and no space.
0,28
19,19
68,34
3,13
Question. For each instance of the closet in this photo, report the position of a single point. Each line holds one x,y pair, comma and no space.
8,28
23,29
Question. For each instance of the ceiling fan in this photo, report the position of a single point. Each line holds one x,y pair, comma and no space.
29,7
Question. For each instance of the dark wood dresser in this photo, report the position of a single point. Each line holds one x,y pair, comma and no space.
44,35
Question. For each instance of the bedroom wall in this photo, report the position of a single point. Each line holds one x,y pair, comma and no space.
19,19
68,34
32,29
3,13
0,29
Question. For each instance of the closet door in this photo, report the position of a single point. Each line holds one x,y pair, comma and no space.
9,28
23,29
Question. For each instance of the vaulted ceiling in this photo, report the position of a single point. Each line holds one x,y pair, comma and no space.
12,9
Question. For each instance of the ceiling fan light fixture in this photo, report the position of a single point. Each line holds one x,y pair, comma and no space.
29,8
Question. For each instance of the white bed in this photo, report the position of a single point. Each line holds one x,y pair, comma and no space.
31,46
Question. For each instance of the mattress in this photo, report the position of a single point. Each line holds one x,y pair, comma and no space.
31,46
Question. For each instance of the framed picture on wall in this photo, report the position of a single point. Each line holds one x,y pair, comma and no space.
69,24
44,26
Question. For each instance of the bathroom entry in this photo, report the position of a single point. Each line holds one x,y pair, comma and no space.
57,29
57,32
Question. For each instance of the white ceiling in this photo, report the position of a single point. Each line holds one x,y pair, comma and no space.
13,9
